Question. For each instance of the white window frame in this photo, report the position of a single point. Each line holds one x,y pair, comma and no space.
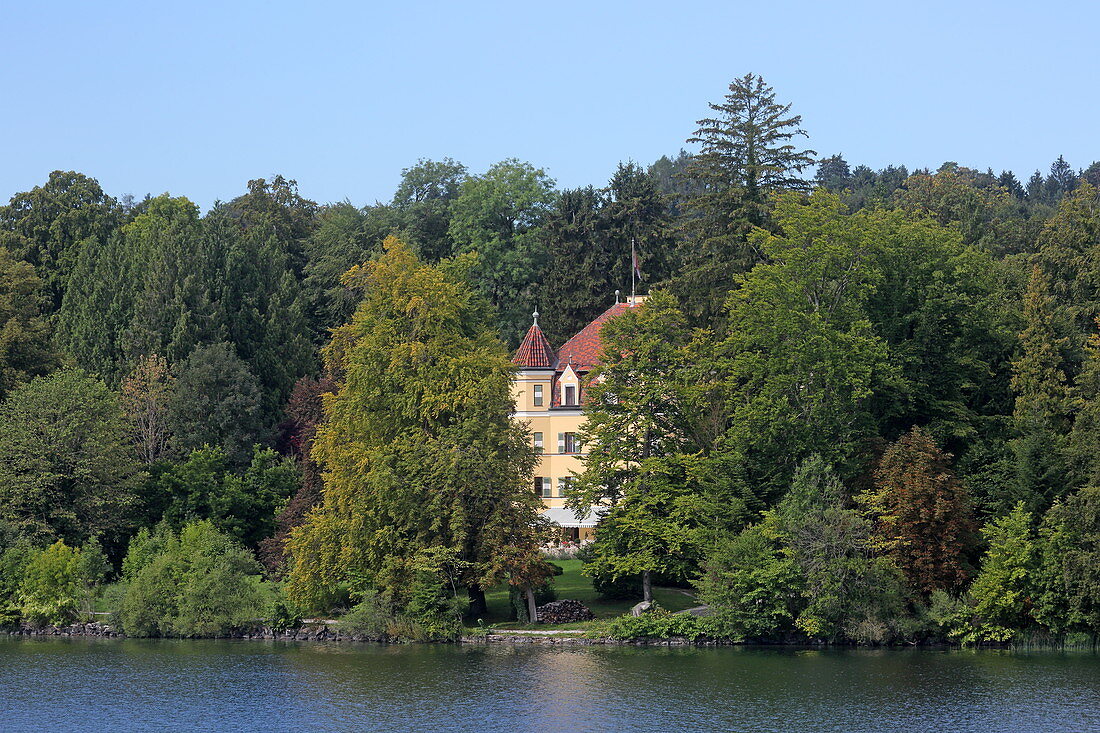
536,395
537,438
569,396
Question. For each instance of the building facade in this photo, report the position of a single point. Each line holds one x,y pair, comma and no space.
549,395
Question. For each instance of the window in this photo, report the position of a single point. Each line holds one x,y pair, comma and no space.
570,395
538,395
542,487
538,442
565,483
568,443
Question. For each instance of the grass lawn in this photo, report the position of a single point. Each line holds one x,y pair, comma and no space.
574,586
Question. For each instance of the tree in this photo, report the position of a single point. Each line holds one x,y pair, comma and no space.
801,360
260,299
649,432
1082,456
1042,399
499,215
424,198
752,588
67,469
49,225
833,173
849,594
145,395
1003,590
304,412
921,514
581,284
25,350
745,156
52,584
345,236
1069,568
418,446
215,401
1067,251
240,503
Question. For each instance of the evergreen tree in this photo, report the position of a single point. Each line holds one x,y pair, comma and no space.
1042,399
745,156
1069,572
215,401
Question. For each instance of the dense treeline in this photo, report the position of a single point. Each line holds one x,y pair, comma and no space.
859,405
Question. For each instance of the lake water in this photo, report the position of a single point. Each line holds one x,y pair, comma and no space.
123,685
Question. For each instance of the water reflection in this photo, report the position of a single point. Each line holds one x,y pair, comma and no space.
63,684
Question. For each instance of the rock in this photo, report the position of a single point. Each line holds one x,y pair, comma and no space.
641,608
564,611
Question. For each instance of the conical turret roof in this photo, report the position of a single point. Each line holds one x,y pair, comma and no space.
535,352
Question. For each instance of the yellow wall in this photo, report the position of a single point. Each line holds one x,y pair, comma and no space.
550,423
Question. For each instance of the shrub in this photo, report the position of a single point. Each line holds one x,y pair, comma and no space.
657,624
372,617
201,584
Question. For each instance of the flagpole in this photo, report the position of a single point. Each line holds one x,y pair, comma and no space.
633,269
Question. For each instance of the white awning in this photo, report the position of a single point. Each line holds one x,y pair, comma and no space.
566,518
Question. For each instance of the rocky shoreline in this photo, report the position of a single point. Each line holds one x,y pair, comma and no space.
324,632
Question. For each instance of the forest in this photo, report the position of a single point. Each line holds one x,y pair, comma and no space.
858,406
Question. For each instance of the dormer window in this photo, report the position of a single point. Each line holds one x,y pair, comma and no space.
570,399
537,395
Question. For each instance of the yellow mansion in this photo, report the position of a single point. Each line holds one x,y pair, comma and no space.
549,391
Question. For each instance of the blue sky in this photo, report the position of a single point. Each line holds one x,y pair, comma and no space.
197,98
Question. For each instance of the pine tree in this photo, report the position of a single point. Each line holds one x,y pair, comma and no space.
25,348
745,156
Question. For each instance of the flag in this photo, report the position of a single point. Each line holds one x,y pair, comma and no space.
634,261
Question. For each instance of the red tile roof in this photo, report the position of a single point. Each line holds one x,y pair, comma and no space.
535,352
583,350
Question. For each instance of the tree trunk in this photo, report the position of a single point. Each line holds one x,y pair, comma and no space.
647,586
532,614
478,608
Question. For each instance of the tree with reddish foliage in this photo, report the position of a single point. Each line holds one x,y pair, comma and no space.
304,412
922,514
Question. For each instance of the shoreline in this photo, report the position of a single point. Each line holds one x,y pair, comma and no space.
324,633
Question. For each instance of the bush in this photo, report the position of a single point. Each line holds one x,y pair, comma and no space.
52,585
372,617
657,623
201,584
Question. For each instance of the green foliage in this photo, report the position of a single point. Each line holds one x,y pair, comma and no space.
66,465
25,349
657,623
1003,590
499,215
419,447
802,357
242,504
52,584
1069,566
215,401
201,584
49,225
753,589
